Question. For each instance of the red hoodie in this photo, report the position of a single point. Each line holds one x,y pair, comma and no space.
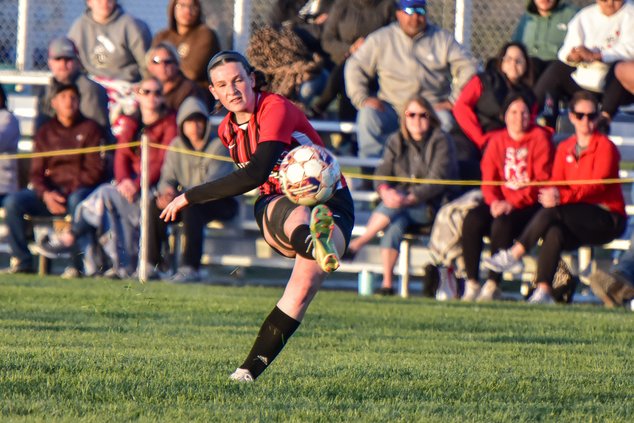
516,162
599,161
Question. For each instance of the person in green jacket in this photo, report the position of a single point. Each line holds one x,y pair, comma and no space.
542,29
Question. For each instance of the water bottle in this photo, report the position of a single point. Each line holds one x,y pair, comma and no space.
366,283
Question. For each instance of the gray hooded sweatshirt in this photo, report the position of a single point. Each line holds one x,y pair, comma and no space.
115,49
183,171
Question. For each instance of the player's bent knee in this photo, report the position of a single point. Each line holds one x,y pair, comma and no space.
301,242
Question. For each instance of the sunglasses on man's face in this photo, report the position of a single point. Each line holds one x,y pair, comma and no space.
158,60
415,11
580,115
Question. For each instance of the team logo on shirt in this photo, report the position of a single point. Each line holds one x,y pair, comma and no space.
516,168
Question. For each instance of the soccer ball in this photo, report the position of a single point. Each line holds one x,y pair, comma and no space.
309,175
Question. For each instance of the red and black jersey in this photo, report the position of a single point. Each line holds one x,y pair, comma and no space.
275,119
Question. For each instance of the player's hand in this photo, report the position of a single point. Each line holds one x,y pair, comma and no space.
164,198
127,189
55,202
171,210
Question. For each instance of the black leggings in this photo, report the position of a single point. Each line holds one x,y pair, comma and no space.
568,227
557,82
501,230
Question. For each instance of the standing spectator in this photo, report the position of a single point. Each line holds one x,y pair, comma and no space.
195,42
542,29
599,33
573,214
9,137
478,109
58,183
163,64
409,57
419,150
349,22
182,171
112,46
515,155
66,69
112,211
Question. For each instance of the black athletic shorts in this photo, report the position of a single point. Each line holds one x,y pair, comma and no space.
340,204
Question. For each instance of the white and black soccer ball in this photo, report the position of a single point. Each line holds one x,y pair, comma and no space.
309,175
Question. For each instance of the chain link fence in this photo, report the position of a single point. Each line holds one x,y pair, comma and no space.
492,22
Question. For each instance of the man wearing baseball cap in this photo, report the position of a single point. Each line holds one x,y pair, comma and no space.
409,57
65,67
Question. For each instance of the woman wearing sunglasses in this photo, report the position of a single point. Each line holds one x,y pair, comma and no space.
573,214
516,155
419,150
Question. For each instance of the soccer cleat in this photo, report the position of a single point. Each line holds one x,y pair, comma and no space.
490,291
471,291
242,375
503,261
321,227
541,296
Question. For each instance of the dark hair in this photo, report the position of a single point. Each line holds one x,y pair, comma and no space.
3,98
434,121
532,8
581,96
229,56
527,77
513,97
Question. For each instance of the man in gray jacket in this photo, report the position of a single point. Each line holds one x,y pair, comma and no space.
181,171
65,67
409,57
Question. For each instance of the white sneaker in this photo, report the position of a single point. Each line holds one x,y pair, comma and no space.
241,375
471,291
490,291
503,261
541,296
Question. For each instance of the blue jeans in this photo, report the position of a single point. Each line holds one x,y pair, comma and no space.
312,88
400,220
373,129
24,202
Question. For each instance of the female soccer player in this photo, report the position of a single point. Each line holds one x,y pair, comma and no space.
259,130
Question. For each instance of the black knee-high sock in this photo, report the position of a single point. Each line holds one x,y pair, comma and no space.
274,334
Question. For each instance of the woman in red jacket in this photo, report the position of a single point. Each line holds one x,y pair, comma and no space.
573,214
520,153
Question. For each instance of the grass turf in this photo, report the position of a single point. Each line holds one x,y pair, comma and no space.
97,350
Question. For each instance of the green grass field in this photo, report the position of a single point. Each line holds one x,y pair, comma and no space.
96,350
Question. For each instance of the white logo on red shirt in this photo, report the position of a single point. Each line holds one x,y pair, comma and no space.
516,167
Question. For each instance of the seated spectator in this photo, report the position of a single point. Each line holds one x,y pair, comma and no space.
349,22
409,57
111,214
573,214
291,69
162,63
616,288
9,138
182,171
478,109
195,42
65,67
515,155
542,29
112,46
58,183
419,150
599,33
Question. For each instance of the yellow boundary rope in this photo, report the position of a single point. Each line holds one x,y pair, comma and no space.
352,175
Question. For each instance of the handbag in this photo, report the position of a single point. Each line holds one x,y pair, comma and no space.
591,76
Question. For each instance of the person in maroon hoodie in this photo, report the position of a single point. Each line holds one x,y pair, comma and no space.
159,124
573,214
516,155
58,183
